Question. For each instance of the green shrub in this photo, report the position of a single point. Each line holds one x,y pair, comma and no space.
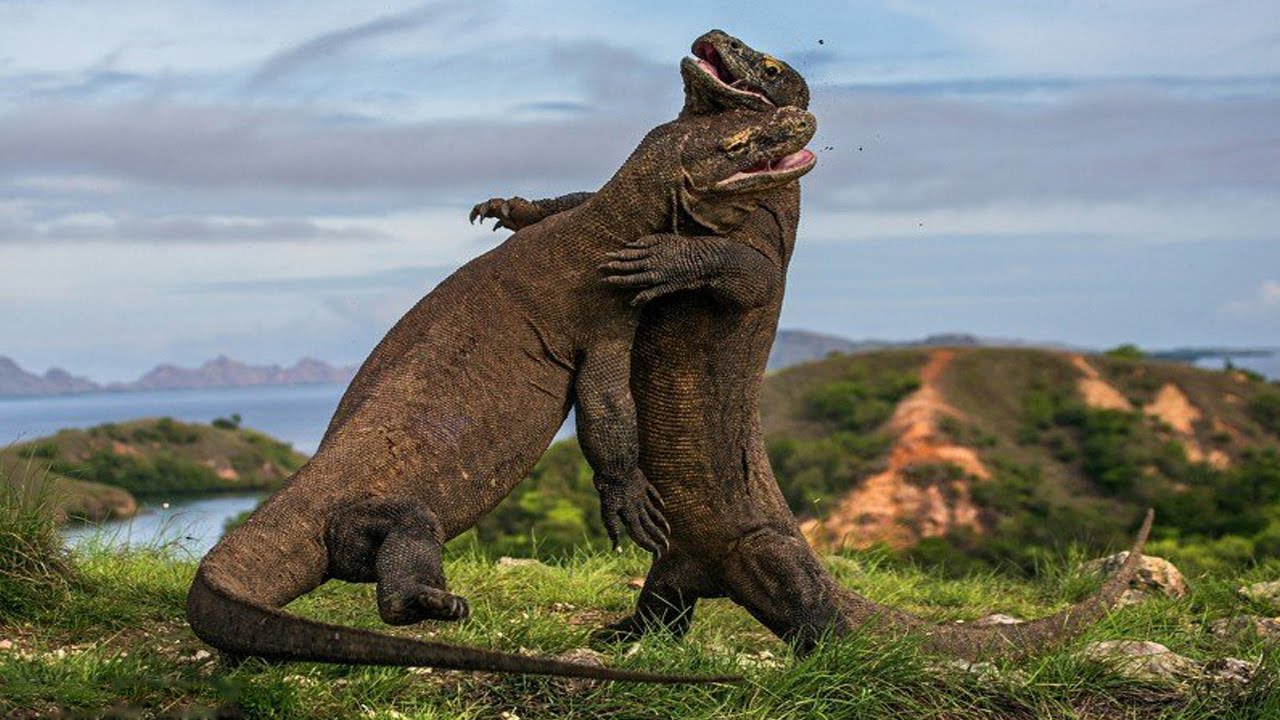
811,472
41,450
166,430
861,402
1127,351
1265,410
35,568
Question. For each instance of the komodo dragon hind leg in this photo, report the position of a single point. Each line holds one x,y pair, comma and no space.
672,588
396,543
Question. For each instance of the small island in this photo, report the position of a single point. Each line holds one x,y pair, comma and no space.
99,473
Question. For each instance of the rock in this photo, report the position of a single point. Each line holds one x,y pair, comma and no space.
582,656
1265,593
761,659
1155,663
1231,673
6,644
996,619
1144,661
1155,576
1245,625
505,561
984,671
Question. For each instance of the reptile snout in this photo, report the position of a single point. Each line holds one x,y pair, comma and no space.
792,122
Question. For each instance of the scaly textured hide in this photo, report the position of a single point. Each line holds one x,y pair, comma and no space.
697,365
460,399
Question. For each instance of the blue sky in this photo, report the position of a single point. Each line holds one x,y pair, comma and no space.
179,180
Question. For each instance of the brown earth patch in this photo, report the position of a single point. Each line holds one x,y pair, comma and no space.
888,507
1097,393
1172,407
120,448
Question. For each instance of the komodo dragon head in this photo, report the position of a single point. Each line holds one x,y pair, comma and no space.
725,72
729,160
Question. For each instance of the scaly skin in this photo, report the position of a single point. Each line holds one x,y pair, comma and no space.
697,364
460,399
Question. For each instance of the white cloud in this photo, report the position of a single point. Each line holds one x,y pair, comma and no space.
1265,300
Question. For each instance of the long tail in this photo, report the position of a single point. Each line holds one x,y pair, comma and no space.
999,641
240,626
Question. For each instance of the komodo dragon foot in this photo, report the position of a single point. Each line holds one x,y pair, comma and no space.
394,542
510,213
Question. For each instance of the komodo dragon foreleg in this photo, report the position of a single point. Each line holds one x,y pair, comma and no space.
515,213
606,419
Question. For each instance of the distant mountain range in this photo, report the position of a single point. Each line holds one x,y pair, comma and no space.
792,348
220,372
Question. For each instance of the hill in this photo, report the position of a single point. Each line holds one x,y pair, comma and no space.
998,456
1001,453
95,474
219,372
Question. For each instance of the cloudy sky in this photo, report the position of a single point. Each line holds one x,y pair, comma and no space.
272,180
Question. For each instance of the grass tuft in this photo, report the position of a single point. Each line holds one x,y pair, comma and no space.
35,567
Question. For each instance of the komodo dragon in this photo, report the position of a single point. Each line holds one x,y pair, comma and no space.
697,364
463,395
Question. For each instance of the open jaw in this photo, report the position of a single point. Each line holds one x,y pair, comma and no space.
709,60
780,170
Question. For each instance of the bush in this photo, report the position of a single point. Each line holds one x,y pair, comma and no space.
810,472
1127,351
859,403
1265,410
231,423
166,430
35,568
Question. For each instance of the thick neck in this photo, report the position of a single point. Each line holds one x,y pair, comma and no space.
638,199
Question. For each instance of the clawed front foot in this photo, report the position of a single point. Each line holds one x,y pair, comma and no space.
511,213
635,504
655,265
424,604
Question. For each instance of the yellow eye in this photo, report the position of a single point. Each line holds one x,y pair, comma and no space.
771,67
736,143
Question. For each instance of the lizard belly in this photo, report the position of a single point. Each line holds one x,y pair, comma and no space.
696,378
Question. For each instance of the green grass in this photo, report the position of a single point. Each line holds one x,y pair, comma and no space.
35,569
115,641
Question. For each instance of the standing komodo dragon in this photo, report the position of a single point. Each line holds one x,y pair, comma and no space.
457,402
697,364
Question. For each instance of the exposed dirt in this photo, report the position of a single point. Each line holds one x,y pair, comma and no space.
889,507
1097,393
120,448
1173,408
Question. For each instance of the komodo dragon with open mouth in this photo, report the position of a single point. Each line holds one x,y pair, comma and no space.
697,364
460,399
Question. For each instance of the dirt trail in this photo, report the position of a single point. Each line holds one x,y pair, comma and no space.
889,507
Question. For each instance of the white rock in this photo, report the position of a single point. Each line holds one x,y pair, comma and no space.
1266,593
505,561
1145,661
1155,576
997,619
